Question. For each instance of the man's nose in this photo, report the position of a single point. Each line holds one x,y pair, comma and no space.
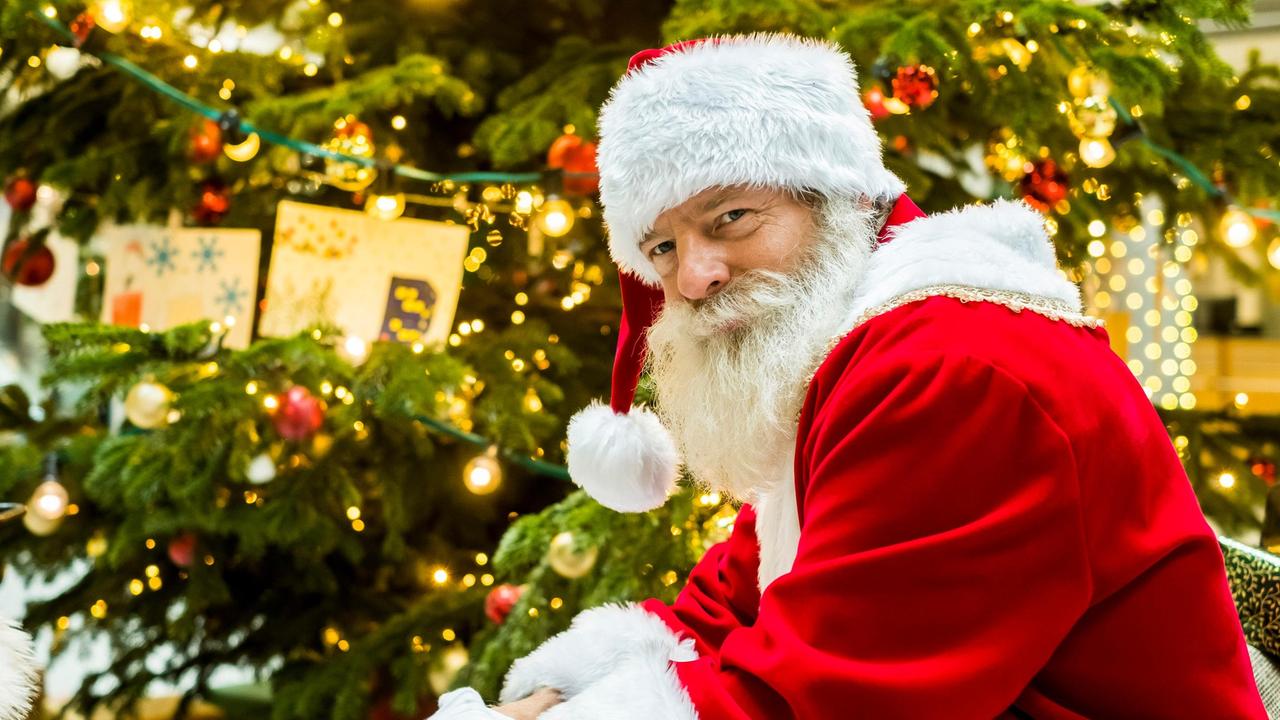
702,271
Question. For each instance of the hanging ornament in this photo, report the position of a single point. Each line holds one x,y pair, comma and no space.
206,142
300,414
573,154
445,666
1044,184
483,474
532,403
261,469
62,62
1083,82
354,138
213,204
236,143
567,560
916,85
1237,228
874,99
1093,117
555,218
111,15
147,405
27,265
81,26
20,193
1097,152
500,600
182,549
50,499
1259,466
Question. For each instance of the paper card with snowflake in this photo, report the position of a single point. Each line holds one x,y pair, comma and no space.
395,280
161,277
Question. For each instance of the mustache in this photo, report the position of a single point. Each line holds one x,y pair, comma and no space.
750,298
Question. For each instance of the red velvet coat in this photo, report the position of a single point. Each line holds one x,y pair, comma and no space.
993,523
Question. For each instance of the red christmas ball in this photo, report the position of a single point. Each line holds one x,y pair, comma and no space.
81,26
916,85
20,193
26,265
182,549
206,142
1264,468
1045,184
873,98
500,600
573,154
213,204
300,414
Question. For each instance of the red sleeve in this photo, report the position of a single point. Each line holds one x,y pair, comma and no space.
722,592
941,555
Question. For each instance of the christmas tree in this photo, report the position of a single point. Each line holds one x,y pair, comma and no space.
359,522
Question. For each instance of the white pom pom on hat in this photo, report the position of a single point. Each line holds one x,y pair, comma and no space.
765,110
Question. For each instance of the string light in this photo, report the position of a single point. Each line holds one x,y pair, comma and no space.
556,217
385,207
483,474
1237,228
1097,152
110,15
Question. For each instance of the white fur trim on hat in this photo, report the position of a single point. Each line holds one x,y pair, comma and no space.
767,110
627,462
17,672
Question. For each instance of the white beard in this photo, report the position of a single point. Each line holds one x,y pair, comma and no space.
731,373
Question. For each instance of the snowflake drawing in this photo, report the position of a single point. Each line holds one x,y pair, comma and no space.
231,296
161,256
207,255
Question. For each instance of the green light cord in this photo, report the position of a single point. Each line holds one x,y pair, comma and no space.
540,467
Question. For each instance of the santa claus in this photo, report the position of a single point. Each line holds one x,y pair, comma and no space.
960,503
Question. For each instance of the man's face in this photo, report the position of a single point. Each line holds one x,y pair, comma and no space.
702,245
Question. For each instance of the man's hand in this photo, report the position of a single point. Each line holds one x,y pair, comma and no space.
531,707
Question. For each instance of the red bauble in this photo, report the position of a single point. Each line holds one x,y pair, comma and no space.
20,193
500,600
30,269
351,127
1263,468
300,414
573,154
182,549
213,204
1045,184
916,85
873,98
206,142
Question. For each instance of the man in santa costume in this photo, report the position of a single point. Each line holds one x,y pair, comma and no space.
961,504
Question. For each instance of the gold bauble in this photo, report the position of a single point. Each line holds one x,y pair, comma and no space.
1083,82
147,405
445,666
567,560
1097,152
1093,117
244,150
353,138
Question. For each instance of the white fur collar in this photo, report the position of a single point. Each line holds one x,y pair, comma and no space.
998,252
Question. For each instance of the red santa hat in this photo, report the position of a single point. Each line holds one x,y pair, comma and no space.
765,110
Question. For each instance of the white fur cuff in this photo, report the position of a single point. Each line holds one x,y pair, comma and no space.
599,642
642,688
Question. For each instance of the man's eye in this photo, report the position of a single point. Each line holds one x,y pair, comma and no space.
732,215
662,248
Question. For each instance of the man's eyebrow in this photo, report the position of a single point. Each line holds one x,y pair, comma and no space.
716,199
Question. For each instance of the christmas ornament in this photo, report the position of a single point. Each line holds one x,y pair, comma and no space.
567,560
147,405
300,414
1093,117
874,98
214,203
49,501
354,138
20,193
445,666
1044,184
39,526
483,474
1097,152
261,469
62,62
182,549
206,142
237,144
27,265
573,154
916,85
245,150
81,26
111,15
96,545
500,600
1237,228
1259,466
555,218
